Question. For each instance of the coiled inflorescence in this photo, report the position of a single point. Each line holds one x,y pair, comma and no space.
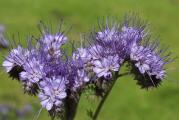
45,70
116,44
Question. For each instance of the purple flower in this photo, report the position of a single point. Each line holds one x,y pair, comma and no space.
148,65
131,34
51,44
44,69
105,66
80,79
95,52
50,39
53,92
108,35
83,54
77,75
107,49
33,71
15,58
140,54
14,61
110,42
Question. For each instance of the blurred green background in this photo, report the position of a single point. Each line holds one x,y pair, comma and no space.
127,101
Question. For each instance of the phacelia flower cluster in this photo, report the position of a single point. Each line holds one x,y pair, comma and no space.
148,64
45,69
114,45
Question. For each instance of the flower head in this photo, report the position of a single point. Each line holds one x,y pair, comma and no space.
148,65
105,66
14,62
53,91
33,71
131,35
107,51
51,44
110,42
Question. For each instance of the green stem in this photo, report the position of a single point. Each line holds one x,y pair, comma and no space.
102,102
71,108
95,116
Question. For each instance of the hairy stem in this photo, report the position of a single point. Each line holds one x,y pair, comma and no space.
71,107
116,76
